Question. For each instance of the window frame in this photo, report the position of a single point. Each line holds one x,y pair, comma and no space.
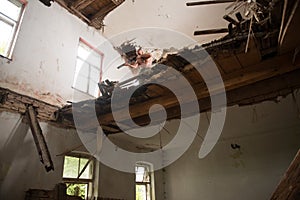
101,54
89,182
148,184
15,28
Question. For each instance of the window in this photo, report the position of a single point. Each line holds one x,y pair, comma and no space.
143,182
11,12
88,68
78,175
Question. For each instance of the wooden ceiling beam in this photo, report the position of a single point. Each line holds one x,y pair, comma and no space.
102,12
246,76
266,69
263,90
81,4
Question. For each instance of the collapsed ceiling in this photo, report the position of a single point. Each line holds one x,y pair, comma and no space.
258,60
91,12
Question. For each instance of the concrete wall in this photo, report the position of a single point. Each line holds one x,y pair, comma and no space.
269,136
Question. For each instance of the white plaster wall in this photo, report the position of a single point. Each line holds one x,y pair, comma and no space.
20,166
170,14
269,136
268,133
21,169
115,184
44,57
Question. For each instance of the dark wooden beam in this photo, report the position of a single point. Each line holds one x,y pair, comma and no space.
246,76
200,3
263,90
81,4
211,31
39,139
230,19
289,186
263,70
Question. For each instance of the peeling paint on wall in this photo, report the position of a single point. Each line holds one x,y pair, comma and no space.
22,87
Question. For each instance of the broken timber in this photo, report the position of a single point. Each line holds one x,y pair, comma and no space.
39,139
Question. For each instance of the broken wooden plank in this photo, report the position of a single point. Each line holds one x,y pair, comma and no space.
39,139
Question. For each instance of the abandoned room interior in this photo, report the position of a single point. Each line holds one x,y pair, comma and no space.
149,99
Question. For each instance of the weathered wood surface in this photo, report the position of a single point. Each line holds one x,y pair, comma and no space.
289,186
39,139
91,12
266,77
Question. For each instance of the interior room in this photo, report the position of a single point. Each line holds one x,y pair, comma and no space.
149,100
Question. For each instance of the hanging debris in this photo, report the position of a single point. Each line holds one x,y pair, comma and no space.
39,139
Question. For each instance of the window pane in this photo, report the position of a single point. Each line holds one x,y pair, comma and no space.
76,189
5,37
83,51
139,174
140,192
87,172
10,8
79,64
70,167
87,72
93,88
95,74
94,59
82,68
81,83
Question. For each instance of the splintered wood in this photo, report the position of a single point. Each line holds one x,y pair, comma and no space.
39,139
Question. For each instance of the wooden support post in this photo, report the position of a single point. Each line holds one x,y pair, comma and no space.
39,139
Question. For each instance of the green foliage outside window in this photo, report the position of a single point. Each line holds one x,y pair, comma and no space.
77,185
78,190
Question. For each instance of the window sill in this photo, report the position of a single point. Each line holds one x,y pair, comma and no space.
8,60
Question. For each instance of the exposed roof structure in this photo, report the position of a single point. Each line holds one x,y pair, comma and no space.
256,60
91,11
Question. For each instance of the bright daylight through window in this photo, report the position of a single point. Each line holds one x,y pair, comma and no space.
11,12
88,69
78,175
143,180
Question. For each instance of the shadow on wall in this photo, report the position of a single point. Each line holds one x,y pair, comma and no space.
10,152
